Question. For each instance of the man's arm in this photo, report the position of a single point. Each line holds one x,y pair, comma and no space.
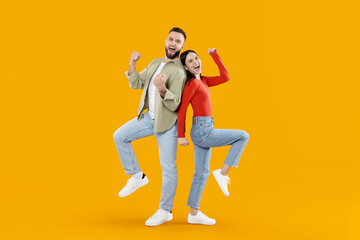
159,82
135,56
172,95
136,81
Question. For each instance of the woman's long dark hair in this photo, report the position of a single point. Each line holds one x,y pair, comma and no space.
189,75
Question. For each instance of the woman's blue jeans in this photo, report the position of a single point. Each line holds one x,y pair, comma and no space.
204,137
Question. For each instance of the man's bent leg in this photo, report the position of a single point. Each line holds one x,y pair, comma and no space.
130,131
167,142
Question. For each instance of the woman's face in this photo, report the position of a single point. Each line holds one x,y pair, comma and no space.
193,64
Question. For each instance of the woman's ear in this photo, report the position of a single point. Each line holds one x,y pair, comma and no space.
186,68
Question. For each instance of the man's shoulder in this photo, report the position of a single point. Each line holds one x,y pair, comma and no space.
157,60
177,67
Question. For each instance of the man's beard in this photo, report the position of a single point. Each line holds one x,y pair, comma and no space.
175,55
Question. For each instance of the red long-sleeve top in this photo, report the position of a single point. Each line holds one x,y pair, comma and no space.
198,94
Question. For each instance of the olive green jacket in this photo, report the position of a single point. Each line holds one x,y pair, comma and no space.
165,112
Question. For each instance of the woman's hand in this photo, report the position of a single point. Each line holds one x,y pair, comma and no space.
183,141
211,50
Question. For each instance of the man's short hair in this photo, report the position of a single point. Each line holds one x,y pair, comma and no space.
178,30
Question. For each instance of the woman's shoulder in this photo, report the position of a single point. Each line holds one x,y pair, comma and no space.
194,83
191,86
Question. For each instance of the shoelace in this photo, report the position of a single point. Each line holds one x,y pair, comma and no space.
202,214
129,181
157,214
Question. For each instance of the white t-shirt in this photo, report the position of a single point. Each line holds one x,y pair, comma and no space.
152,89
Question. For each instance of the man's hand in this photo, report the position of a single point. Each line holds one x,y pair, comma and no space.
183,141
159,82
135,56
211,50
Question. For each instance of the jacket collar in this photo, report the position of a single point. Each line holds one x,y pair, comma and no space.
176,61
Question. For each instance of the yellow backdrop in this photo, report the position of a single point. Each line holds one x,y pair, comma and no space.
294,68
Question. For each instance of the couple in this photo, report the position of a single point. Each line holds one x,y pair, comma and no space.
166,82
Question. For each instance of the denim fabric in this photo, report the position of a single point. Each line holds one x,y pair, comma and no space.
167,142
204,137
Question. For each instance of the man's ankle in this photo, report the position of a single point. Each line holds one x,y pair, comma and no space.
138,175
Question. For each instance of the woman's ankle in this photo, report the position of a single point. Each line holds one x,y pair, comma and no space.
193,211
225,169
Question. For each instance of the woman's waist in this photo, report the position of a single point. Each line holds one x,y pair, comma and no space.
202,119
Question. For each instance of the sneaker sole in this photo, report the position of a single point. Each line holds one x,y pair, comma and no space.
144,183
200,223
216,178
154,225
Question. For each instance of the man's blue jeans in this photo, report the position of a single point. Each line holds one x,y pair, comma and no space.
167,142
204,137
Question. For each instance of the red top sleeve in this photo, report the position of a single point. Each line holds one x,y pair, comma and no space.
188,93
224,75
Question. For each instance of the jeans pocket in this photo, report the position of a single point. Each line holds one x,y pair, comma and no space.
195,131
206,125
195,134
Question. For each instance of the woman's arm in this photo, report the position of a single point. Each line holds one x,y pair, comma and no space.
187,96
224,75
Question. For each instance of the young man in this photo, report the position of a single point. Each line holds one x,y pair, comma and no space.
163,82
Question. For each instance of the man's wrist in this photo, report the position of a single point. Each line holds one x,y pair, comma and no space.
163,91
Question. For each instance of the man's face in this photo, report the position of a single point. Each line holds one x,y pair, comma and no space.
174,44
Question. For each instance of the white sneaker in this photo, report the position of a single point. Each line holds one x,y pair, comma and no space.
222,181
133,184
160,217
200,218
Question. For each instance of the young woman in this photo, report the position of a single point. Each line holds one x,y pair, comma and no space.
203,135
